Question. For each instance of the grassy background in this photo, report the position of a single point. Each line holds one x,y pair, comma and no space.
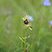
14,36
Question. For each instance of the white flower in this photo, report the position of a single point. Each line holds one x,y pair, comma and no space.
47,3
30,18
50,23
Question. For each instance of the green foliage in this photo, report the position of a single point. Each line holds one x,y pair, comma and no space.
15,36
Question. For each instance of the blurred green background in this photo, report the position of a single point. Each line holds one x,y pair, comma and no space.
14,36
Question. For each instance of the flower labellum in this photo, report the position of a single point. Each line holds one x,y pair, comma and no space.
47,3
